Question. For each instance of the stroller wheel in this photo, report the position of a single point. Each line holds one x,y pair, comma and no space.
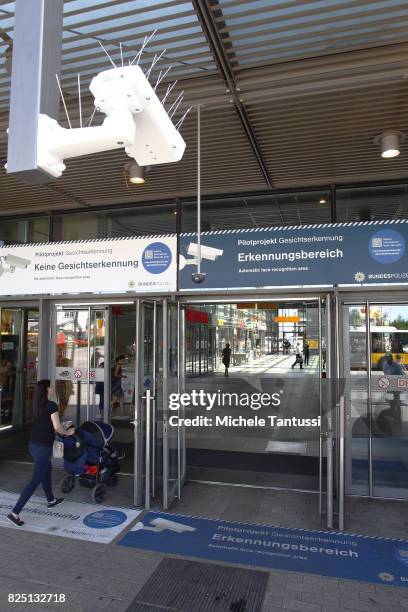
68,484
113,480
99,494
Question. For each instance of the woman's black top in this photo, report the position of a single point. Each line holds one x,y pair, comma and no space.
226,355
42,431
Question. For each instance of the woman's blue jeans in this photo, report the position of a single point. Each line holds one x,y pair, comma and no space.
41,474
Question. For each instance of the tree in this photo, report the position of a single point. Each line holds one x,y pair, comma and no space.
400,323
356,318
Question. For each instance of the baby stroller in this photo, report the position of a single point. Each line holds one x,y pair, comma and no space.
89,457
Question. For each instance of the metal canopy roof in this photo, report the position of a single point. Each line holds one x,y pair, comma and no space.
293,94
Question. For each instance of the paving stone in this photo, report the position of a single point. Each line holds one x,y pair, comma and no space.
320,597
356,604
301,606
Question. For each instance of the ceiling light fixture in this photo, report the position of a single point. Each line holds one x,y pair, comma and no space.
322,201
135,174
389,142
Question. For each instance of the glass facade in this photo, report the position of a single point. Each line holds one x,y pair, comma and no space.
20,231
340,204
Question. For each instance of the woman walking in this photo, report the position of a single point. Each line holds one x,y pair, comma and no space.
226,358
46,423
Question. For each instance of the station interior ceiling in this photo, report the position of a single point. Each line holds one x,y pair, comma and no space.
292,95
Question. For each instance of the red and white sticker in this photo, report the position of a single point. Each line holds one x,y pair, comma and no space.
383,382
78,373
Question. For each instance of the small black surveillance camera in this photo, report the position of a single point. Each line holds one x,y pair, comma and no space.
198,277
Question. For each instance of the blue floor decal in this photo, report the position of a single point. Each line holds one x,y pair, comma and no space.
339,555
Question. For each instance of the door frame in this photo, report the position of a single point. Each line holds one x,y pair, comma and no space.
150,418
322,297
366,297
23,306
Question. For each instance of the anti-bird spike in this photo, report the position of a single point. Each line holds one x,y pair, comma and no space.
145,43
181,121
161,77
109,57
169,88
79,100
176,107
175,101
63,101
154,62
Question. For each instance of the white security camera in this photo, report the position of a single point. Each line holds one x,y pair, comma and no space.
16,262
206,252
135,119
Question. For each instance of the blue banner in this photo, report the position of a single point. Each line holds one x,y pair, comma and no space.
341,555
332,254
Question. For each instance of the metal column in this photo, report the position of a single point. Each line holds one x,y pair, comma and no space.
88,381
369,400
107,368
320,410
153,402
165,396
45,346
37,46
342,442
147,398
138,419
179,366
1,388
329,417
181,387
341,415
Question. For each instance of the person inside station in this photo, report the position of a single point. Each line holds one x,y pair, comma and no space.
117,390
100,390
299,358
400,365
226,358
306,352
324,355
394,368
286,346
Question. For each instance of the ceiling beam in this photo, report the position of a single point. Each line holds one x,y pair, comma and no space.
206,15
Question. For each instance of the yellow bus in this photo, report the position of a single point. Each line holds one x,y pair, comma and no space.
385,339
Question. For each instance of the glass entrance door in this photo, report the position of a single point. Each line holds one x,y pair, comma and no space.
121,363
11,367
81,373
159,446
268,358
376,361
19,332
